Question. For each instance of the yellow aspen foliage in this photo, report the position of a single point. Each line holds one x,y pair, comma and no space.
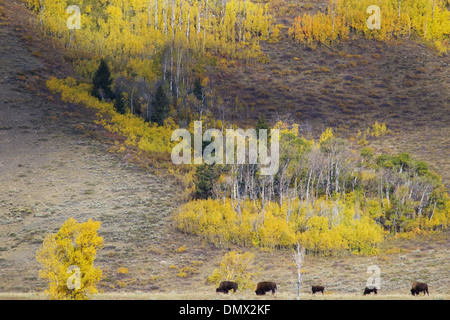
318,227
425,19
131,32
379,130
67,257
146,137
238,267
276,34
327,134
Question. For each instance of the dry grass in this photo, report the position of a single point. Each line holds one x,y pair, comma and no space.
354,84
230,296
71,173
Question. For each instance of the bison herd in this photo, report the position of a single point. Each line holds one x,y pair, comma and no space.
267,286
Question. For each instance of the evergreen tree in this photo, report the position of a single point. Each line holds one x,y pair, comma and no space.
119,105
261,124
198,90
160,106
205,177
101,88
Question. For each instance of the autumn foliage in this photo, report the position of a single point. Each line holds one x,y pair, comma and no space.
147,137
74,245
325,196
425,20
237,267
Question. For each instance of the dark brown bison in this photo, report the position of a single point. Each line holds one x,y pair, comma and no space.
367,290
265,286
317,289
418,287
226,286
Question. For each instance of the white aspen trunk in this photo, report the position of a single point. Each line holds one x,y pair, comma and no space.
337,177
131,100
165,17
381,190
179,56
188,21
171,68
173,20
165,68
180,20
41,11
426,26
240,22
434,5
223,9
204,29
156,14
245,17
199,17
432,213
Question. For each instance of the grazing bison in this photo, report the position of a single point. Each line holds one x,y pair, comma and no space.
418,287
226,286
317,289
265,286
369,291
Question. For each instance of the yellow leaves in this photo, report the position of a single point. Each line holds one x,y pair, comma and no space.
323,227
205,82
131,29
276,34
181,249
238,267
141,68
74,245
327,134
114,12
426,19
122,270
379,130
146,137
186,271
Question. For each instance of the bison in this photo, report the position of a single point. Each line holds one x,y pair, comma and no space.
226,286
265,286
367,290
317,289
418,287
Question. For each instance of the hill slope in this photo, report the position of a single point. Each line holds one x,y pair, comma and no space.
54,164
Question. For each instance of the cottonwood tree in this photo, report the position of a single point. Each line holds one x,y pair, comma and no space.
74,246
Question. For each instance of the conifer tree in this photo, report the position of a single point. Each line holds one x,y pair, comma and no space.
160,106
119,105
198,90
261,124
205,177
101,88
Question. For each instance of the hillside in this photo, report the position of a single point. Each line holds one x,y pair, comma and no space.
348,87
57,162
